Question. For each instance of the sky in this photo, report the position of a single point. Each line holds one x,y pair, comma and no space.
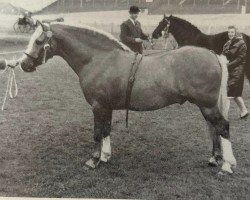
31,5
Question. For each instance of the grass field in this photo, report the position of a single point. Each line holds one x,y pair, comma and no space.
47,135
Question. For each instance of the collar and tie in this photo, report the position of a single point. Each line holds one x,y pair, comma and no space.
135,22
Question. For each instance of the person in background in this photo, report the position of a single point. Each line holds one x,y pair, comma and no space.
235,50
131,32
28,18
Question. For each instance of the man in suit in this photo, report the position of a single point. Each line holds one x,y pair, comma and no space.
131,32
8,63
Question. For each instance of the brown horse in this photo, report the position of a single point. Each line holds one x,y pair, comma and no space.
103,65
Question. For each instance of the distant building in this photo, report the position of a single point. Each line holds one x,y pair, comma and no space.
153,6
66,6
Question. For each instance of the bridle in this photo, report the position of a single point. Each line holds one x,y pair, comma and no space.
166,28
46,46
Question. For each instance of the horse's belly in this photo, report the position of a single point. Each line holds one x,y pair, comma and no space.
153,102
154,90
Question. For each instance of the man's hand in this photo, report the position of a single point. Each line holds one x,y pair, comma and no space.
139,40
12,63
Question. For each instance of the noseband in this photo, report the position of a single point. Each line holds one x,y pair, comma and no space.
46,46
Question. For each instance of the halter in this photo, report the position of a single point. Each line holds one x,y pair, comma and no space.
166,29
46,46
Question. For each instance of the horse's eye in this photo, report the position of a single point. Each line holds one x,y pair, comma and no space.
38,42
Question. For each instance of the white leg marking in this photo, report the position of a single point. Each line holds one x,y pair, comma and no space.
226,167
228,157
106,149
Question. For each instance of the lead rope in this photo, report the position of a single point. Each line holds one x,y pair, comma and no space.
11,80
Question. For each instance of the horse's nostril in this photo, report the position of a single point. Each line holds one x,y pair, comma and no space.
27,66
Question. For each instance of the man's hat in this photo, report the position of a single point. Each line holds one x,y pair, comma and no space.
134,9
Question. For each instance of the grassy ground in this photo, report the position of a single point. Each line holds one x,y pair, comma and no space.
46,136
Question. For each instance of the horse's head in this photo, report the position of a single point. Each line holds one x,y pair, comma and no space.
163,26
41,47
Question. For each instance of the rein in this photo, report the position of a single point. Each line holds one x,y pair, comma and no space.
11,80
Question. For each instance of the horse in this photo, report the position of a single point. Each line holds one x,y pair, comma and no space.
103,65
186,33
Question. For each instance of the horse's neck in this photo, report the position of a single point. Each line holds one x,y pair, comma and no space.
77,53
185,37
217,41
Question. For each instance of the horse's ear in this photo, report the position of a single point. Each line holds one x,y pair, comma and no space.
170,15
42,25
164,16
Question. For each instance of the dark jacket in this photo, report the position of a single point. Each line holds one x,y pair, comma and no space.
129,32
2,64
235,50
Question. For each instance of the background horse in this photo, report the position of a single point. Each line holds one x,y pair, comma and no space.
186,33
103,64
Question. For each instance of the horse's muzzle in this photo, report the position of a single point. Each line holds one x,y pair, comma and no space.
156,35
27,66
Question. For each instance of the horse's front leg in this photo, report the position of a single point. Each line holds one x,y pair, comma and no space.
102,129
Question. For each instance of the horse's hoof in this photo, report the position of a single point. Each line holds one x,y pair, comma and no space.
96,154
212,162
224,173
233,166
91,163
226,169
215,164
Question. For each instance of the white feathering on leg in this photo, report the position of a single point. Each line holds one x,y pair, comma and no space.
227,151
106,149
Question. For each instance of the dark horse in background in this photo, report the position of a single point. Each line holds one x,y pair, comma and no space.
103,65
186,33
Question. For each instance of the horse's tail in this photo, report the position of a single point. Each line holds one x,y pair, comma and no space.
223,101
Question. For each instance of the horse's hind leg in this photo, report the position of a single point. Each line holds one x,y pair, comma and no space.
221,128
102,129
216,150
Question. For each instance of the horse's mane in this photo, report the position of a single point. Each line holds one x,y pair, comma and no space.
97,32
186,25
